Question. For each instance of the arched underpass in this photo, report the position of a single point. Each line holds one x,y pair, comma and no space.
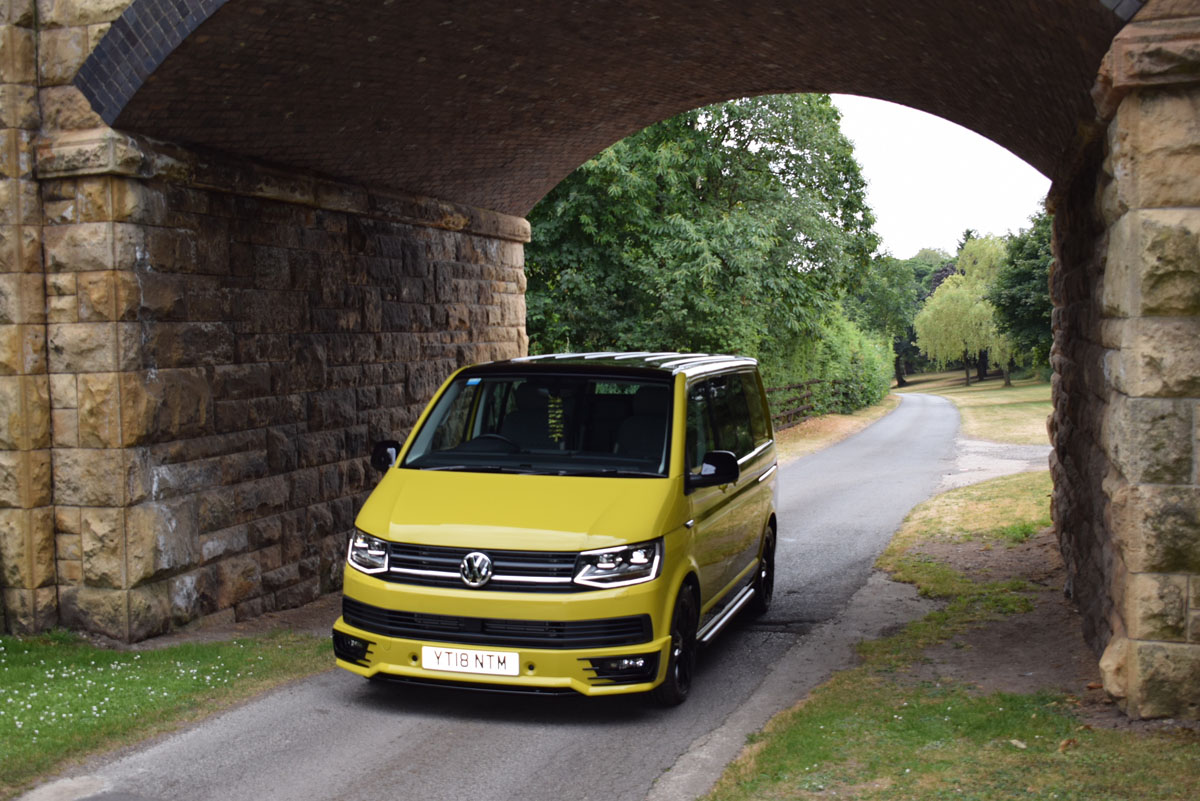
242,239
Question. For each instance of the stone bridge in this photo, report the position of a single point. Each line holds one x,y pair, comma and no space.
241,239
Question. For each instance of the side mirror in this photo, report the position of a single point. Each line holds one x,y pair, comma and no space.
718,467
384,453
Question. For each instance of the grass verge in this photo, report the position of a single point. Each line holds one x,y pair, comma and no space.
1009,509
62,698
990,410
876,732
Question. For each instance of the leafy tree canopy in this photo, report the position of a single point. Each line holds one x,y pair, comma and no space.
967,235
941,274
925,264
958,322
719,229
953,322
1020,292
887,298
933,257
980,258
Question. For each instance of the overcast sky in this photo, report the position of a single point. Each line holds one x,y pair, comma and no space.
928,179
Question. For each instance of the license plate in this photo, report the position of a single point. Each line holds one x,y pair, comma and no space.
462,660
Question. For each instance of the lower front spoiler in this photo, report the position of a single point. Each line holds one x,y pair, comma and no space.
503,689
542,671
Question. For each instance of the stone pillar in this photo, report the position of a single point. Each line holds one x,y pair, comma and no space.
84,306
92,246
1146,377
27,569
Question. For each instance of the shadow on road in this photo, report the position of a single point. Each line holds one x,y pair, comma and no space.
568,709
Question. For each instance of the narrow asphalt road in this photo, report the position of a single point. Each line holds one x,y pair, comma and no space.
336,736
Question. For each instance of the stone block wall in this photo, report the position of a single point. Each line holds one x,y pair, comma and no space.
1126,426
224,342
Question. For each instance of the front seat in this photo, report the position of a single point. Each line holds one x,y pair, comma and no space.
643,435
528,424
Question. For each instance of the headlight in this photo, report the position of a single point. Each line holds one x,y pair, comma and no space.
620,566
368,554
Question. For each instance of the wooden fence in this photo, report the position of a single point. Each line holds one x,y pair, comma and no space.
795,406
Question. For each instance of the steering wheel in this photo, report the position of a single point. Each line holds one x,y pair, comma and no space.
507,441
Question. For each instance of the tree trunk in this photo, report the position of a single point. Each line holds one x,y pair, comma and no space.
1008,373
967,366
898,364
981,365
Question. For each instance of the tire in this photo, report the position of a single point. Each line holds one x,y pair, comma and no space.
681,661
764,582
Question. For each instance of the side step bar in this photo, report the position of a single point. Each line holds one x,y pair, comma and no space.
714,626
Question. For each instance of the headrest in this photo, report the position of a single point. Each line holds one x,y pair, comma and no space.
531,396
651,400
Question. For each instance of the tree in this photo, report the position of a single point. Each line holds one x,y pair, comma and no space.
907,357
886,304
719,229
941,274
927,262
979,259
956,323
1020,292
967,235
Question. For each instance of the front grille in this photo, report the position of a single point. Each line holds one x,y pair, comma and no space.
514,571
603,633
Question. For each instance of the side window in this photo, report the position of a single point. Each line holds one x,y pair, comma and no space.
731,414
759,422
699,426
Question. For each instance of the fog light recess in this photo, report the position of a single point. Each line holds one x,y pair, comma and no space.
350,648
628,669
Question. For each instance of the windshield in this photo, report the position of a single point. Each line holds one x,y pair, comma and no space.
555,424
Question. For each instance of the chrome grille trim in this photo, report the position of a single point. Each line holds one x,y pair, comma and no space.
515,571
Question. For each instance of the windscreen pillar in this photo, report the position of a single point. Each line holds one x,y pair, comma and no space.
1127,390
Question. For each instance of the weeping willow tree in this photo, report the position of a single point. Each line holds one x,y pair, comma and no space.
957,322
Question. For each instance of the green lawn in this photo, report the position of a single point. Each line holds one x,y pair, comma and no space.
990,410
62,698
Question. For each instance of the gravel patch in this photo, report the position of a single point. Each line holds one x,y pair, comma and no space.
979,460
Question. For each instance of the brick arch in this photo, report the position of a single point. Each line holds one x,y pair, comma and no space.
375,92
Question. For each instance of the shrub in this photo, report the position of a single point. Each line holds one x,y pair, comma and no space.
854,368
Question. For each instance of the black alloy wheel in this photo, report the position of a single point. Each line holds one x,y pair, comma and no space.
681,663
764,581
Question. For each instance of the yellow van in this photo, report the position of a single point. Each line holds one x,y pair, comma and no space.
566,523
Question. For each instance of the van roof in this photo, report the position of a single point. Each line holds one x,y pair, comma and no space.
670,362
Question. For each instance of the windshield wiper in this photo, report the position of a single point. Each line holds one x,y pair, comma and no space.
482,468
610,471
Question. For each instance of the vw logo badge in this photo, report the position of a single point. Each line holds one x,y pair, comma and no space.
475,569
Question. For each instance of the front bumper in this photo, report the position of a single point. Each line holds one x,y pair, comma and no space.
561,643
